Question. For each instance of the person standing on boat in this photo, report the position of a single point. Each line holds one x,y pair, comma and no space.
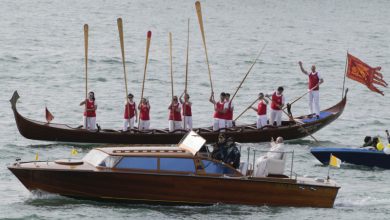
90,112
130,114
219,112
229,111
261,111
315,80
277,104
144,118
174,115
265,163
187,111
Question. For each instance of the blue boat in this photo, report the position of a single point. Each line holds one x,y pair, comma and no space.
358,156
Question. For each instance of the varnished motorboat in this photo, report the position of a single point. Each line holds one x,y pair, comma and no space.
300,128
169,175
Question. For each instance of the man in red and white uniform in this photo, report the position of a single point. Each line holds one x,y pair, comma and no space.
174,115
219,112
187,111
277,104
261,111
144,117
130,114
89,117
229,111
315,80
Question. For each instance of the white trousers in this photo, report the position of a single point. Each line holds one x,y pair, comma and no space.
218,124
144,125
126,123
89,123
174,125
187,122
276,115
229,123
314,102
261,121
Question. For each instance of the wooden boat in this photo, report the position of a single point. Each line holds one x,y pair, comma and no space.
289,130
360,156
169,175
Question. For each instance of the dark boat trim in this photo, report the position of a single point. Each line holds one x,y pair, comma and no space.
37,130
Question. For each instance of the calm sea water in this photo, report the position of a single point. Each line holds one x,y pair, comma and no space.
41,56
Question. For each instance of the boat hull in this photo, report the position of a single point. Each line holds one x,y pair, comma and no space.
36,130
175,189
358,156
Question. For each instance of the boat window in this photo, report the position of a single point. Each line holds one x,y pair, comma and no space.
177,164
212,167
111,161
95,157
144,163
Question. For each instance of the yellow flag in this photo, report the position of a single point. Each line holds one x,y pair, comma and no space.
36,156
74,152
334,161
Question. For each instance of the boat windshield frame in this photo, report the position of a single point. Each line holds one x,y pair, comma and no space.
95,157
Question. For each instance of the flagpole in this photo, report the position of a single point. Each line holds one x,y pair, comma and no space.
327,178
345,73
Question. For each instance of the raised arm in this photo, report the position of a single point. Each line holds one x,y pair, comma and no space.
212,98
302,69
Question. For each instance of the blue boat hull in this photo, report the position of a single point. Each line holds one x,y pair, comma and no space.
356,156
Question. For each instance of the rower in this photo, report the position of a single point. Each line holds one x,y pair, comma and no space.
90,112
261,111
219,111
315,80
277,104
229,111
187,113
130,112
144,118
174,114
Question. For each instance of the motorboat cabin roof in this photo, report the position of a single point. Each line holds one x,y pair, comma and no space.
146,151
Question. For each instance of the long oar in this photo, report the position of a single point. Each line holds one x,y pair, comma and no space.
297,122
246,75
186,78
246,109
170,61
297,99
120,29
200,19
86,69
148,37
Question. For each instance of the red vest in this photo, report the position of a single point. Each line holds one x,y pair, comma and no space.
314,80
276,101
219,107
187,108
90,105
144,113
262,108
173,113
129,108
229,112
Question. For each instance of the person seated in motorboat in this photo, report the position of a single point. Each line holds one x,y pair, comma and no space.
375,141
218,147
265,163
367,141
232,153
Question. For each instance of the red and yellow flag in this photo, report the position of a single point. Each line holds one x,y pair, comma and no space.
365,74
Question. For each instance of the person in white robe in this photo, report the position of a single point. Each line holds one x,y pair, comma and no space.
263,164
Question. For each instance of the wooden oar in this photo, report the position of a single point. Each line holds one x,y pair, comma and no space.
246,75
186,78
246,109
120,29
200,19
297,122
148,37
86,69
170,61
297,99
